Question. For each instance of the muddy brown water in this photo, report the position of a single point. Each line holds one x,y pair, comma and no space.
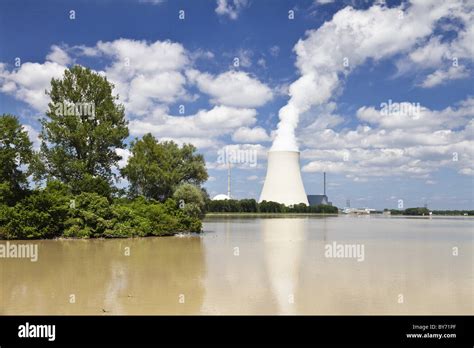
253,265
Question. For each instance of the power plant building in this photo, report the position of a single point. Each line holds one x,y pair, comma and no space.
315,200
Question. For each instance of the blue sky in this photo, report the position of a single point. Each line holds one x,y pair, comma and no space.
335,63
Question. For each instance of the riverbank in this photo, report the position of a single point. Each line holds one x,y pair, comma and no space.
267,214
213,214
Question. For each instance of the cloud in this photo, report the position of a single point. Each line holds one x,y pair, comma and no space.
58,55
145,91
232,88
262,62
243,156
152,2
33,135
30,81
395,144
275,50
250,135
202,129
245,58
145,73
149,77
442,76
125,154
375,33
201,54
133,56
446,56
231,8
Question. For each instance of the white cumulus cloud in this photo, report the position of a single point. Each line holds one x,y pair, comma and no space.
30,81
232,88
250,135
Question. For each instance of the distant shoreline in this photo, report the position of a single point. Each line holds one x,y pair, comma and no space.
266,214
234,214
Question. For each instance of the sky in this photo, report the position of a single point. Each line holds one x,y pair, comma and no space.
379,95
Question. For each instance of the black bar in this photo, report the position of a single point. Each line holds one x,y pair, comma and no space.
225,330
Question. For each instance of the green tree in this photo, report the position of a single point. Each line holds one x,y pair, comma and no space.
416,211
155,169
191,199
15,151
248,205
83,128
271,207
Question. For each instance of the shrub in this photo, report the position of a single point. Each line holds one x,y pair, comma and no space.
191,199
90,216
40,215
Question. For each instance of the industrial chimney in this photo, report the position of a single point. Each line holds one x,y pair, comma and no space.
283,183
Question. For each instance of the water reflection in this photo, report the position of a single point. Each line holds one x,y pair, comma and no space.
101,278
283,241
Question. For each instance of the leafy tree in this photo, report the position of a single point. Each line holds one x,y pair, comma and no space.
191,199
15,151
155,169
248,205
251,206
271,207
416,211
324,209
83,127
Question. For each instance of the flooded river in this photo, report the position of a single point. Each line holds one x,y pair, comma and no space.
284,265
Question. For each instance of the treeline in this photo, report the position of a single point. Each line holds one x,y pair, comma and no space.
453,212
419,211
252,206
75,172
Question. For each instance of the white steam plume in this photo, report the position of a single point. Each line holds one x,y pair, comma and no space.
331,52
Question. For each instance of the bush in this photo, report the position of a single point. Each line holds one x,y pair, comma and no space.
191,199
90,216
40,215
54,212
141,218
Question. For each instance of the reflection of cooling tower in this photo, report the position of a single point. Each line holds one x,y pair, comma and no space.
283,183
283,243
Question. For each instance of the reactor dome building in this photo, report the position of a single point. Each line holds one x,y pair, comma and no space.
283,182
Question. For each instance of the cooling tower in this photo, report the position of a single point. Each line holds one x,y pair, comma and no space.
283,183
